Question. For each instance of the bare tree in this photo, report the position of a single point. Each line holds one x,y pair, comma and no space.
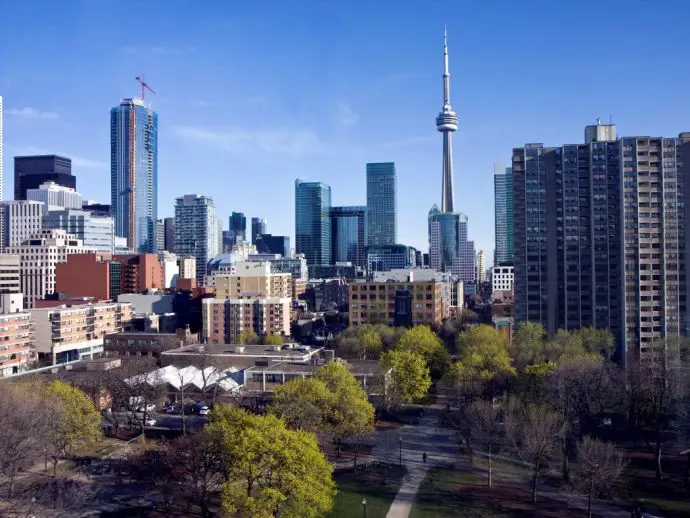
599,466
211,372
534,431
655,391
486,424
155,465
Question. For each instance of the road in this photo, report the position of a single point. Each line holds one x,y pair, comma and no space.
163,421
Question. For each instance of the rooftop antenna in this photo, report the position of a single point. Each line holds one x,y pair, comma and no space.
598,121
144,86
610,118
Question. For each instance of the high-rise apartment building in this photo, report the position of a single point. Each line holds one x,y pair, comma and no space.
17,338
381,204
480,264
503,214
169,234
134,173
313,221
348,234
258,228
195,230
30,172
237,226
10,274
39,256
21,219
55,197
160,235
449,249
600,237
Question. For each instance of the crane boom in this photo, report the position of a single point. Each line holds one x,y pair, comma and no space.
144,86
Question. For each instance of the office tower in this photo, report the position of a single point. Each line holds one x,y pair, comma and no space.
381,204
97,233
258,228
449,249
447,123
169,234
195,230
39,255
348,234
134,173
237,227
55,197
313,221
598,238
21,219
160,235
10,278
480,264
503,214
219,235
269,244
30,172
384,258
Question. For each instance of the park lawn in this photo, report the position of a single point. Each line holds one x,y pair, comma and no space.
369,484
447,492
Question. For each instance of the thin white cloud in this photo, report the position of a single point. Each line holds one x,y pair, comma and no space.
30,113
285,142
345,115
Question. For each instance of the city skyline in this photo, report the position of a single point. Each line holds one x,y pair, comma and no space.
370,100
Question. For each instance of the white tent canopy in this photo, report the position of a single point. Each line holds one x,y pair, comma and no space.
189,377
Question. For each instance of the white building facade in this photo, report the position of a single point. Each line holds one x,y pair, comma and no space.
55,197
502,278
22,219
38,256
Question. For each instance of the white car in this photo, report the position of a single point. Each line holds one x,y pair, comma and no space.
146,408
150,422
204,410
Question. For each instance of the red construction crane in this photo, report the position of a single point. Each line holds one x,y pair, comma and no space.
144,86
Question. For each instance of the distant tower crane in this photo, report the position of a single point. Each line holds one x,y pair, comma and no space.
144,86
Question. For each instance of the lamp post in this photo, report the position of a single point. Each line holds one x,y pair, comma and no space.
364,507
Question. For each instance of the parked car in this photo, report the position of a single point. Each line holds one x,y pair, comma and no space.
146,408
150,422
204,410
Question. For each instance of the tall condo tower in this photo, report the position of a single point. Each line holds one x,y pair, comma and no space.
0,147
134,173
446,123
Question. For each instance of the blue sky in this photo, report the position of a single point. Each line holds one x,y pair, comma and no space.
252,95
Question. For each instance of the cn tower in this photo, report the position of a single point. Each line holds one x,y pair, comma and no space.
446,123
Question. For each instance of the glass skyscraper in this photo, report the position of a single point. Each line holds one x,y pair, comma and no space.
258,228
503,211
237,226
313,221
196,231
134,173
30,172
381,204
95,231
449,249
348,234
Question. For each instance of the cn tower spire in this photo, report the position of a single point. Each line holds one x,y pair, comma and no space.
446,73
447,123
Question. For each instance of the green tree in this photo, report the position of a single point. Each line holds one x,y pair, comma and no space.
271,470
273,340
361,342
528,345
302,403
75,421
423,341
598,341
408,376
248,337
350,413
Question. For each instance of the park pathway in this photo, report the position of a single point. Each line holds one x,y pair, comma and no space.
406,446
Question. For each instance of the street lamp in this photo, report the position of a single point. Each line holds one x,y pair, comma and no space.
364,507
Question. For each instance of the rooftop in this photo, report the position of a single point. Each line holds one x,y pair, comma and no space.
286,352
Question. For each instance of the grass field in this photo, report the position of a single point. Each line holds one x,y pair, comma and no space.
446,492
369,485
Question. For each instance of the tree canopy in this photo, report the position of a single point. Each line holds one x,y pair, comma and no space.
409,378
423,341
272,470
